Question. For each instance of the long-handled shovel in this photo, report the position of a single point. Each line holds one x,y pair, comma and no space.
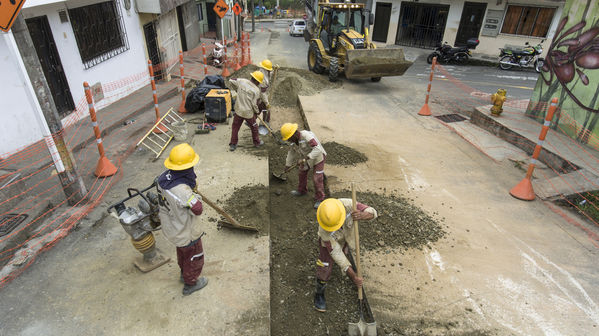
231,222
361,327
277,139
282,176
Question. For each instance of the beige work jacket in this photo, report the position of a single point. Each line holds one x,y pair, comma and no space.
307,147
345,234
247,97
265,86
178,222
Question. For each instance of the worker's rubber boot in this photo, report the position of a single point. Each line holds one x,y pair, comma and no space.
320,302
201,283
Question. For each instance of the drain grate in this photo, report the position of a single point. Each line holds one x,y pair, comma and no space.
449,118
10,221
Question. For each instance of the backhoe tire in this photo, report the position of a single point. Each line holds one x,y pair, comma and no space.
333,69
315,59
375,79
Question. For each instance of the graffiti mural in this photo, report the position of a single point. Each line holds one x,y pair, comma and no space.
571,73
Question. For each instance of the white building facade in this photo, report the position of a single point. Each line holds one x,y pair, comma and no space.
496,23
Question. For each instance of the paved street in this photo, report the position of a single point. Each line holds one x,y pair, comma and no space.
291,51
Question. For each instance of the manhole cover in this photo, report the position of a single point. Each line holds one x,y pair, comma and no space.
449,118
10,221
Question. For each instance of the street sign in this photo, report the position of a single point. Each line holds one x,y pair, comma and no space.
236,9
8,13
220,8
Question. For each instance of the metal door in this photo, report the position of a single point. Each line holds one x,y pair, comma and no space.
152,47
381,21
40,32
168,33
471,22
421,25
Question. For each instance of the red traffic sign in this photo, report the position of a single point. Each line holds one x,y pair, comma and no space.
8,13
220,8
236,9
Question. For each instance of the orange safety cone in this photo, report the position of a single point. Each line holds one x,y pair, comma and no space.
524,190
426,110
104,168
225,72
249,52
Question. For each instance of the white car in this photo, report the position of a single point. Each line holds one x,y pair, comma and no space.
297,27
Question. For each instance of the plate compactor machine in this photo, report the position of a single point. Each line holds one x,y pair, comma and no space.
340,43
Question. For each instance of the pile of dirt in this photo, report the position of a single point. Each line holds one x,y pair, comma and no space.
400,223
338,154
249,206
290,82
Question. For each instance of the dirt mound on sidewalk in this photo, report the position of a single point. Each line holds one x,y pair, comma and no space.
291,82
342,155
248,205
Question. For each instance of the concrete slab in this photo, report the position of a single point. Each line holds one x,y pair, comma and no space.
567,184
505,266
88,284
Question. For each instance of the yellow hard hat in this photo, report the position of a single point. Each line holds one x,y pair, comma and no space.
257,75
266,64
181,157
287,130
331,214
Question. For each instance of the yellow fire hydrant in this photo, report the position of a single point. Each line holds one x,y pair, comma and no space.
498,98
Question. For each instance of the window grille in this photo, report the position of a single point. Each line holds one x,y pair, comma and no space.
99,32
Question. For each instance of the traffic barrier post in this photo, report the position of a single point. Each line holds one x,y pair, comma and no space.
205,59
160,128
104,167
249,52
524,190
426,110
225,72
237,65
182,108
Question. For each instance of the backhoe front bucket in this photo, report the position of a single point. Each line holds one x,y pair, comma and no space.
371,63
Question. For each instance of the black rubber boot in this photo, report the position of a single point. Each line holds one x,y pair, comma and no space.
320,302
201,283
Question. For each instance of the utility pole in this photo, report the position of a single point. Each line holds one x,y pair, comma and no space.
253,20
44,109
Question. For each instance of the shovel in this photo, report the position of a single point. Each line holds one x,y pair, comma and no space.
281,142
361,327
281,176
231,222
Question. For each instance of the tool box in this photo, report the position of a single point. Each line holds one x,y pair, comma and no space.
218,105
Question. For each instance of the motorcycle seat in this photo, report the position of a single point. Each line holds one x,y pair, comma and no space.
523,52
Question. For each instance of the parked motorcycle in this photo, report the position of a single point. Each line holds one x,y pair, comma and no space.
217,56
446,53
527,57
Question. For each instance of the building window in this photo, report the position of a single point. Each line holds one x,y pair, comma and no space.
200,12
99,32
527,20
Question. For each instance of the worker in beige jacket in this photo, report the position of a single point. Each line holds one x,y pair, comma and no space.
179,206
335,218
246,107
308,152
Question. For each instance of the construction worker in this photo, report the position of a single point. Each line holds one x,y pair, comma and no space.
179,205
308,153
246,107
264,106
334,235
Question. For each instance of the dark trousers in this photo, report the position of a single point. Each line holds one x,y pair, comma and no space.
237,121
318,179
324,265
191,261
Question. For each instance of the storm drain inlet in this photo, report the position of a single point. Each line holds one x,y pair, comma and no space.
449,118
10,221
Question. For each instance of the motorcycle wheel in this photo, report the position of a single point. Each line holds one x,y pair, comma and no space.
505,59
430,57
461,58
539,64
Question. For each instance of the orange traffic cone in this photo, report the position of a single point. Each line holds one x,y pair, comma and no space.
425,110
523,190
105,168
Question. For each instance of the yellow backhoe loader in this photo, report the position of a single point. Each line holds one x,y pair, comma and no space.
339,43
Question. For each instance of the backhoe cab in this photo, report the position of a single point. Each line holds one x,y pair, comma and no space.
340,44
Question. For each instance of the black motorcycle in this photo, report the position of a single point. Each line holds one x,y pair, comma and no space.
527,57
447,54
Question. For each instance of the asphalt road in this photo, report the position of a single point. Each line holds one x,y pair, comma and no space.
291,51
